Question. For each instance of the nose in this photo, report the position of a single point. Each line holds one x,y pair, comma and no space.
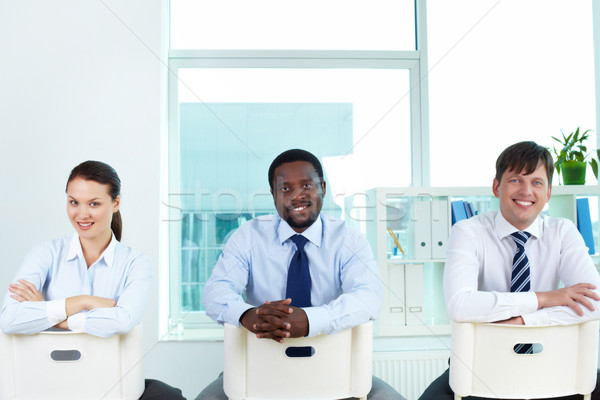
298,193
83,212
527,188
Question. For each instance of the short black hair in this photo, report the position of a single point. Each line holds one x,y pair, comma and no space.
291,156
524,156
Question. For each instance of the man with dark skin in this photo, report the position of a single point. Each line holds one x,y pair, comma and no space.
345,287
298,200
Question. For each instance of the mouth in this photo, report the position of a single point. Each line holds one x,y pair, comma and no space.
298,208
524,203
85,225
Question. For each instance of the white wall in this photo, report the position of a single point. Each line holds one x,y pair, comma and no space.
77,84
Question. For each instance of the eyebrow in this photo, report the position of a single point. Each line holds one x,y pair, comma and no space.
302,181
94,199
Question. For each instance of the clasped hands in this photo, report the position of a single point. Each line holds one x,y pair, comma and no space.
276,320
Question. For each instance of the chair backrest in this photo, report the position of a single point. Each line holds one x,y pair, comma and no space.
340,365
484,363
68,365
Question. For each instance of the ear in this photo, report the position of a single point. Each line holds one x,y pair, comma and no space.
496,188
116,204
549,192
324,187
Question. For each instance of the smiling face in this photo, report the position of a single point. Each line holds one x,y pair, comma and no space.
298,194
522,197
90,209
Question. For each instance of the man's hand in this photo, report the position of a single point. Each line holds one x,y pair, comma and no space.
512,321
571,296
62,325
25,291
276,320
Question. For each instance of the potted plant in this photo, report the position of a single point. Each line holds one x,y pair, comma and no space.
572,159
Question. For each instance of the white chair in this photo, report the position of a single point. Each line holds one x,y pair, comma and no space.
483,362
68,365
339,367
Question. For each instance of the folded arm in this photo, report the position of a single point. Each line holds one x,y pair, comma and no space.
577,302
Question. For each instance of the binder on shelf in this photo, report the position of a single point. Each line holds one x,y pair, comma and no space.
469,209
414,291
439,228
584,223
396,295
458,211
420,221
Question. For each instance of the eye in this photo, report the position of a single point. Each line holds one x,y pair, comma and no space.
308,186
284,189
514,180
73,202
94,204
538,183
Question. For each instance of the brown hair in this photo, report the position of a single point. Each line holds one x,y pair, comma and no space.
524,156
105,174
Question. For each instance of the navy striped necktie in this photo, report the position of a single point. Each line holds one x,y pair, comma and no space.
521,278
298,279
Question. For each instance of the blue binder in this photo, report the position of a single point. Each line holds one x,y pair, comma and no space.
584,223
458,211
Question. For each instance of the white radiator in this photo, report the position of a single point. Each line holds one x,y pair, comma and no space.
410,372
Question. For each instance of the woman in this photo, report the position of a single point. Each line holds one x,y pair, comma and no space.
54,286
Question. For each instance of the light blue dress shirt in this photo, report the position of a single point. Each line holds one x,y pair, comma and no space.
346,286
58,270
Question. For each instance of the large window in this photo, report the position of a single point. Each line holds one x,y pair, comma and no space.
232,111
361,85
502,72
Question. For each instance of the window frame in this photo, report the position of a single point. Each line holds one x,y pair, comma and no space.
196,325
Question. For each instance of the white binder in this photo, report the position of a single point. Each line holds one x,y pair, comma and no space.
396,295
439,228
420,221
413,281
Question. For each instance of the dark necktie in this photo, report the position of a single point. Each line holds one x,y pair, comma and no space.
521,278
298,280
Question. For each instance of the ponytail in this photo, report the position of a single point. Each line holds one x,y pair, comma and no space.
117,225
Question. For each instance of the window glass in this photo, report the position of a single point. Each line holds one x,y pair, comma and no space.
307,24
503,72
234,122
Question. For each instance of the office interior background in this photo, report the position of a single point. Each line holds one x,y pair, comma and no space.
190,105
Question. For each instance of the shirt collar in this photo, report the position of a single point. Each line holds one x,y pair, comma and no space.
505,228
108,254
313,233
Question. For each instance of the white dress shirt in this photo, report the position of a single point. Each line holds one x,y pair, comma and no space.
345,282
478,270
58,270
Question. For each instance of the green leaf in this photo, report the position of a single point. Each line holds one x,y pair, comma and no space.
594,165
